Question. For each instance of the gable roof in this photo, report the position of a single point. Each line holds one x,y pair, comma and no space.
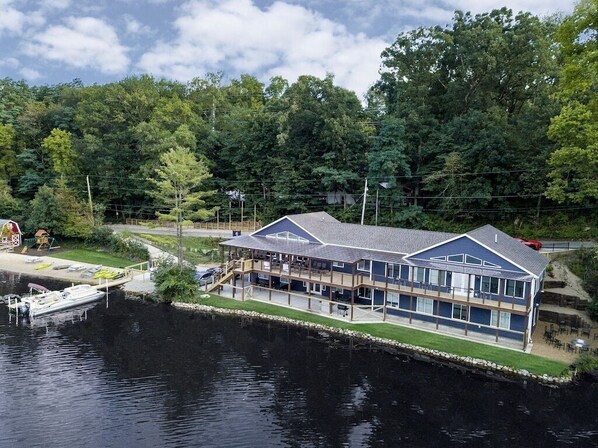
510,248
377,238
351,242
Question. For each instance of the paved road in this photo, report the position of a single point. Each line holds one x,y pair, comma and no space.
171,231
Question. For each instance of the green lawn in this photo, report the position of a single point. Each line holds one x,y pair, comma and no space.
197,250
93,257
518,360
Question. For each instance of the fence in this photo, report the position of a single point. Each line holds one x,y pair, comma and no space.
223,225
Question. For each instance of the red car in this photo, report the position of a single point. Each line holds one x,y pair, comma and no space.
534,244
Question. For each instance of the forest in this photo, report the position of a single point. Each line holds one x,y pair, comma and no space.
490,119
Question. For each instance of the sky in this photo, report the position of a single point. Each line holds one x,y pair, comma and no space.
101,41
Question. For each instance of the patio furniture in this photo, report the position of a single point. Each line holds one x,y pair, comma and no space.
558,344
574,330
570,348
585,332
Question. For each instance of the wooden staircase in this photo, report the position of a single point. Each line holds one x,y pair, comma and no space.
228,272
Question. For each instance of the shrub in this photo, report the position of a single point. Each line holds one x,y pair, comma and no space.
174,283
100,237
128,248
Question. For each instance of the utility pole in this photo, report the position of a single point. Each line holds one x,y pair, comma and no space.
365,195
90,203
377,191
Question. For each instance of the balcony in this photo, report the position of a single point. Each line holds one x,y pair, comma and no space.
298,271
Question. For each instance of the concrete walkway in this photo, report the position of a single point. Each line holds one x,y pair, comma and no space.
171,231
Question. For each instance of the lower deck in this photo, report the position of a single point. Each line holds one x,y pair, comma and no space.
372,313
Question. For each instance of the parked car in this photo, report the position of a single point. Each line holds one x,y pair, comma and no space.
534,244
205,277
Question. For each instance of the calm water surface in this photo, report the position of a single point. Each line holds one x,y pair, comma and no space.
140,375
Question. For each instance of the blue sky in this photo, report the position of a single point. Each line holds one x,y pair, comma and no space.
98,41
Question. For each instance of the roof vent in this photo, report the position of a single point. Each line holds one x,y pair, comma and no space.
496,237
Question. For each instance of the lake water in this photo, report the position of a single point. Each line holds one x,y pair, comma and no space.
141,375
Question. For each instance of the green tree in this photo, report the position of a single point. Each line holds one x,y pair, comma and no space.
57,210
574,165
176,283
60,147
8,156
10,207
177,188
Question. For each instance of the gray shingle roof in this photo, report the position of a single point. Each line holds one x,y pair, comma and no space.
352,242
510,248
387,239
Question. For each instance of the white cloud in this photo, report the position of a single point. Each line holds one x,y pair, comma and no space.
30,74
9,63
284,39
85,42
133,26
55,4
11,19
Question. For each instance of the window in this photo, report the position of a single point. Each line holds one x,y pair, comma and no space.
438,258
491,265
459,311
393,270
472,260
489,284
504,319
514,288
364,265
366,293
338,264
419,274
287,236
437,277
455,258
425,306
392,299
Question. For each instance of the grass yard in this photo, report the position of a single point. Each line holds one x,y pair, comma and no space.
196,250
518,360
93,257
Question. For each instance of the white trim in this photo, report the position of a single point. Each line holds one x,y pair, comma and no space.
338,264
465,235
309,233
287,217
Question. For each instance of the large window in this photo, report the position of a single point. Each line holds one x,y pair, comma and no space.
365,293
438,277
425,306
392,299
514,288
287,236
459,311
489,284
364,265
393,270
419,274
338,264
503,319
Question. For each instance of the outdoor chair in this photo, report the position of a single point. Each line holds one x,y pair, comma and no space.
585,332
595,351
558,344
574,330
570,348
562,328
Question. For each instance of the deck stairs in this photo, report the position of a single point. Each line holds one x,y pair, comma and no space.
227,273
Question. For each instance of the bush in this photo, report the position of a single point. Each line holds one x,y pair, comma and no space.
128,248
100,237
176,284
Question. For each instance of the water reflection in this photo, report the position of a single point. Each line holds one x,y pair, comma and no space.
136,374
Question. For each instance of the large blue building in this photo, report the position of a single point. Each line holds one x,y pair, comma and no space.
481,284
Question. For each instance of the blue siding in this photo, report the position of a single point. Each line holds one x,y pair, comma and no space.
378,297
378,268
479,315
445,309
518,322
464,245
404,302
286,225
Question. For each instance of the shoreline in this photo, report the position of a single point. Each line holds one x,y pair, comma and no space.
481,366
17,264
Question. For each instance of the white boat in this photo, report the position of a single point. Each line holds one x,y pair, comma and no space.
51,301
